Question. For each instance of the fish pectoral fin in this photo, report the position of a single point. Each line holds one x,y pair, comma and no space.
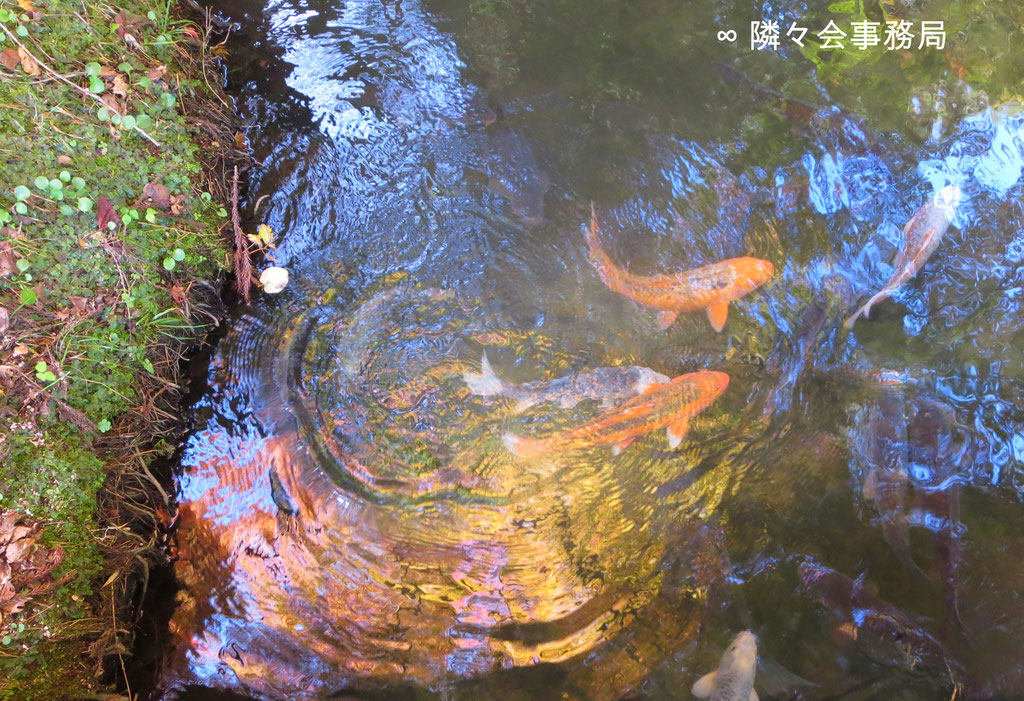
717,314
753,695
666,319
676,432
607,403
705,685
622,445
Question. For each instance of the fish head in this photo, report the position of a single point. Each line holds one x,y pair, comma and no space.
742,652
713,382
753,272
948,199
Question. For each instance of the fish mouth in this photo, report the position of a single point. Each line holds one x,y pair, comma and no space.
763,271
718,380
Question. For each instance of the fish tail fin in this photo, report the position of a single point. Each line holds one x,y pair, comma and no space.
485,383
524,447
864,310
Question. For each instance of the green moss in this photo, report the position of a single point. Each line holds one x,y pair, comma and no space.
90,311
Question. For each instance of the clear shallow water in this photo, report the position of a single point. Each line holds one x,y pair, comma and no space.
351,523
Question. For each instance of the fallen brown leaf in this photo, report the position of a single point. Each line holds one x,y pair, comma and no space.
120,86
105,213
112,104
177,294
156,196
10,58
80,304
28,64
26,5
119,19
6,257
64,160
157,72
176,207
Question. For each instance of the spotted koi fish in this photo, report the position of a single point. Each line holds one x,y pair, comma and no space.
734,678
669,405
609,385
711,287
921,236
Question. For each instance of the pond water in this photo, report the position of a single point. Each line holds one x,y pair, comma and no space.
352,522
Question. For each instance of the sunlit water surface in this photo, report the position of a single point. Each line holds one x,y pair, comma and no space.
351,524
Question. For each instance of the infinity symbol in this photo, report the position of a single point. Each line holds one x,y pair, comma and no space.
729,35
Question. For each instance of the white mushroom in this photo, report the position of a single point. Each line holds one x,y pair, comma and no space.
274,279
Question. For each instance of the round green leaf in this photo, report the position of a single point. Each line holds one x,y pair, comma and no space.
22,193
22,30
21,208
96,85
103,425
151,16
28,296
67,209
22,264
56,184
92,69
84,204
128,122
178,254
103,113
115,119
42,182
124,67
78,183
167,99
143,121
145,82
169,263
65,176
57,195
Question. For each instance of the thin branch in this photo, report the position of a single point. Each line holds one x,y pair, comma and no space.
243,266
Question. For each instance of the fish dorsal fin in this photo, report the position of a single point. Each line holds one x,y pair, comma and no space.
622,445
677,430
705,685
638,410
717,314
666,319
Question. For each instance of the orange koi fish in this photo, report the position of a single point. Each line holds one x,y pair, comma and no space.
921,236
711,287
668,405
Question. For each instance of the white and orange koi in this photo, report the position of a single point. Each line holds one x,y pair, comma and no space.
921,236
711,287
669,405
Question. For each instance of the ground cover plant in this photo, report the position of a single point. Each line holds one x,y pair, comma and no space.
114,148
